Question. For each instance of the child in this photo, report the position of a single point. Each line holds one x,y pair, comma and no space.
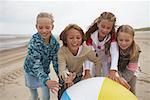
72,55
42,50
128,55
101,36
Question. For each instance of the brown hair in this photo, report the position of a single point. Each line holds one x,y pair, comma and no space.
63,35
105,15
129,30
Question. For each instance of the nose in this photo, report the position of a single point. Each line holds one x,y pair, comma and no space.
44,30
123,43
105,30
74,40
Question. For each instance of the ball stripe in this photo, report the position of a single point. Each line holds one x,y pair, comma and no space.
112,90
65,96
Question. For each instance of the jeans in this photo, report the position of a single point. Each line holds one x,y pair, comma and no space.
45,93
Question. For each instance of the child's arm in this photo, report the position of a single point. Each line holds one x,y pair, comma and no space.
62,65
114,56
86,66
92,56
133,64
35,56
64,74
114,52
55,58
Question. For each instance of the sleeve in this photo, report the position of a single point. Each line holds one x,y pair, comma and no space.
89,41
55,58
87,64
62,65
114,52
35,52
92,56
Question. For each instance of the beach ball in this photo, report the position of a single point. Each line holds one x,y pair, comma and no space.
97,88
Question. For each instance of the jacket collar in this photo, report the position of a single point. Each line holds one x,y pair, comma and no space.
94,37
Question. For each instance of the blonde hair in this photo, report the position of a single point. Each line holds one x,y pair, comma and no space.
63,35
45,15
105,15
129,30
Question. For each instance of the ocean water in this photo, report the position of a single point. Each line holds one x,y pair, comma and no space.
142,34
10,41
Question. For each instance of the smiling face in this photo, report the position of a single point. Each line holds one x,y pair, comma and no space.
74,40
105,26
44,26
125,40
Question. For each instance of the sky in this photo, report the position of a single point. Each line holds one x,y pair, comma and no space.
19,16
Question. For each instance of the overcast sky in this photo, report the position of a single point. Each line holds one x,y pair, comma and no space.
18,17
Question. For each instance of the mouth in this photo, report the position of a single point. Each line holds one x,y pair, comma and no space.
103,33
74,44
123,46
46,34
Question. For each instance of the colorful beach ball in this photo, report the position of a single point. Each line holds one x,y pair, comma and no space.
97,88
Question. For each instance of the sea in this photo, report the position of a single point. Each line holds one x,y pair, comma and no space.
10,41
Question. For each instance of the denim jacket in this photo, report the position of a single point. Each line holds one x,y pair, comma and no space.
40,56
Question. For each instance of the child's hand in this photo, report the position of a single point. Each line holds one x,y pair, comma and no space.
69,79
123,82
54,86
69,84
115,76
87,74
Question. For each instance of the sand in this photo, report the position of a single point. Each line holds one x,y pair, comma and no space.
12,78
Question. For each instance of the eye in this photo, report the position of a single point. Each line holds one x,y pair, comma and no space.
40,27
108,28
78,37
127,40
70,37
47,27
120,39
102,26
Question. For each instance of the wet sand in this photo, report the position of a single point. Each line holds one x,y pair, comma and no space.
12,78
143,83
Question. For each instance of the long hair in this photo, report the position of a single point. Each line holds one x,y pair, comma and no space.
63,35
129,30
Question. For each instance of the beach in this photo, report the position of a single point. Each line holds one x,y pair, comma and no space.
12,86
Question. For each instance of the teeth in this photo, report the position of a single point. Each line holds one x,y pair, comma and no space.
74,44
45,34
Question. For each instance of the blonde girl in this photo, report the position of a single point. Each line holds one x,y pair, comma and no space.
42,50
128,55
101,37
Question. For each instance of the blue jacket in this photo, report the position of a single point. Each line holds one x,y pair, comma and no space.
40,56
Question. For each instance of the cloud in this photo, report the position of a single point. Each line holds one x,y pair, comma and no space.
19,16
